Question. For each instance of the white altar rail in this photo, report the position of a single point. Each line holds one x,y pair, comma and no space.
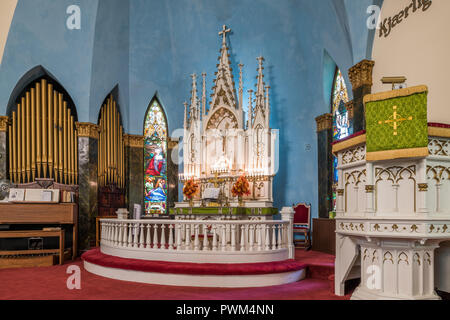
200,241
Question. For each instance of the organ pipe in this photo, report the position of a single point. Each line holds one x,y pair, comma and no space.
111,146
43,138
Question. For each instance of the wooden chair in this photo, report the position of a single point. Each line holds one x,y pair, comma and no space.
302,225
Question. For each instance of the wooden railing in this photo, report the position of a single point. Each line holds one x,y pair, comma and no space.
145,239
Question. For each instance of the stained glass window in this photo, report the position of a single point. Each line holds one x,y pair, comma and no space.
155,160
341,123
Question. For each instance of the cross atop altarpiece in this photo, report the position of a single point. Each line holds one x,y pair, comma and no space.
395,120
223,33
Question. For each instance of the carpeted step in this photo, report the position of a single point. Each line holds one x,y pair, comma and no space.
95,256
321,272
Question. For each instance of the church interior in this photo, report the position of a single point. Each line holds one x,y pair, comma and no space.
224,150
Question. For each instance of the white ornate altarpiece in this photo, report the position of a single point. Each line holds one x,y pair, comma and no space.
219,147
393,206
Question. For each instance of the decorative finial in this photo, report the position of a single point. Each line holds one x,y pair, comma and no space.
260,61
223,33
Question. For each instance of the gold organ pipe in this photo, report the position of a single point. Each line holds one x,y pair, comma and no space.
72,148
11,170
44,127
121,158
76,156
50,130
108,134
105,145
99,148
65,146
28,136
69,148
38,132
102,146
23,147
14,145
114,145
60,136
55,135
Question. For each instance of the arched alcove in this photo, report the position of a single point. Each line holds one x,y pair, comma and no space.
29,79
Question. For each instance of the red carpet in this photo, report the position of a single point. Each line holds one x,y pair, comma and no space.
95,256
50,283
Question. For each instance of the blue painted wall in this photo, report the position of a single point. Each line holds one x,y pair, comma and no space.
149,46
110,57
39,36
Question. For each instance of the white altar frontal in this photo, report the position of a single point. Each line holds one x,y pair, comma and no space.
393,211
219,147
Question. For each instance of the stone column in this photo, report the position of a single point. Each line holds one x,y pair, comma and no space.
361,78
172,172
134,160
3,147
88,134
325,163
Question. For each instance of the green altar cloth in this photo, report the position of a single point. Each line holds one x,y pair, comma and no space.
237,211
396,124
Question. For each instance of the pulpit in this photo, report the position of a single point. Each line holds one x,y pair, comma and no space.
393,209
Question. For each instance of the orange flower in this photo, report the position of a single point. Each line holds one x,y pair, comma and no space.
190,188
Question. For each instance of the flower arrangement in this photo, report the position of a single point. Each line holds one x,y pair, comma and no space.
190,188
241,187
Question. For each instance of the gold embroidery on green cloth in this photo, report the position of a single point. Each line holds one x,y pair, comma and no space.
396,121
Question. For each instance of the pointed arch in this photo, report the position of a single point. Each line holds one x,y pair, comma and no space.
29,79
155,159
43,132
342,126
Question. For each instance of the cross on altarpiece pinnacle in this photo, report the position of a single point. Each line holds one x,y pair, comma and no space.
223,33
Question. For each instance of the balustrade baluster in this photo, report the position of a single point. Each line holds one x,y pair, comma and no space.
155,236
280,239
187,244
119,242
125,235
142,236
179,240
116,234
196,240
205,238
267,246
130,235
214,241
251,238
242,245
136,235
274,237
171,237
259,227
224,238
233,237
163,237
148,240
104,232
